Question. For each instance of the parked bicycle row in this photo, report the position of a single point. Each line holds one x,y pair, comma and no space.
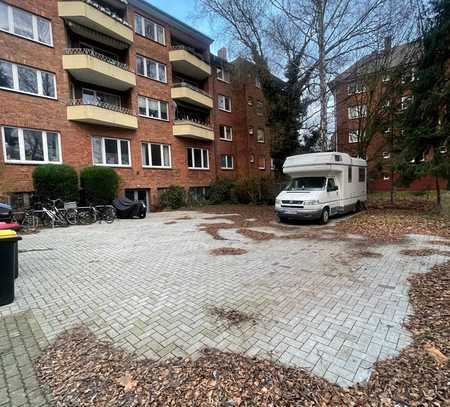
56,213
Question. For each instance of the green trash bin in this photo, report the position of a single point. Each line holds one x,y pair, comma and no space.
8,265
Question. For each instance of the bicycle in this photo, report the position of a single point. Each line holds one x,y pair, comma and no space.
99,213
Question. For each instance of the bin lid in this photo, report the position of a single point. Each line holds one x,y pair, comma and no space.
7,234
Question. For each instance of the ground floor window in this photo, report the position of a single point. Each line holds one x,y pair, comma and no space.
198,193
226,162
262,163
21,200
139,195
111,152
156,155
31,146
198,158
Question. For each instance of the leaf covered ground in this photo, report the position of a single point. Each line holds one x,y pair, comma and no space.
81,371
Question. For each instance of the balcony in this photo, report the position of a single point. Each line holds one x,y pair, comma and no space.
190,129
96,17
101,114
190,94
89,66
186,61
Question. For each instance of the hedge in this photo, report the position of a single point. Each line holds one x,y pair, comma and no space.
99,184
173,198
52,181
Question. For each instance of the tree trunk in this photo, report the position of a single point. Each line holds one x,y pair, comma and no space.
322,75
438,194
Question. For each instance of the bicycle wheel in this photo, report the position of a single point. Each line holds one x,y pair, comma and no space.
30,222
72,216
86,216
109,214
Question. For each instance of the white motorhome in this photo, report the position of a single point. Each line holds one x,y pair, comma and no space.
322,185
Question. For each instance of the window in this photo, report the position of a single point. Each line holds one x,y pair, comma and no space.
386,104
260,137
151,69
387,132
30,146
409,76
149,29
259,108
250,130
198,158
111,152
262,163
443,149
95,97
226,162
250,101
154,109
223,75
257,82
199,193
362,174
24,24
226,133
350,174
356,112
386,177
28,80
386,155
354,136
386,77
156,155
406,101
225,103
337,158
356,87
272,164
252,158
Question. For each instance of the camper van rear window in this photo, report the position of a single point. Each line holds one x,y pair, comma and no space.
362,175
337,157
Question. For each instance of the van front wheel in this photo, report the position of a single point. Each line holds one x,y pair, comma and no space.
325,216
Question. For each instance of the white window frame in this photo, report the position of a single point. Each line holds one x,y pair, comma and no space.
227,131
228,158
272,164
259,166
221,76
252,158
259,108
203,150
148,145
386,177
34,17
386,77
258,133
224,98
386,155
251,130
104,164
358,88
406,101
15,88
351,136
357,112
147,115
155,29
146,74
22,159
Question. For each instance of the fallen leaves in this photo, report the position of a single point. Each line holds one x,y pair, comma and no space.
127,382
232,317
227,251
424,252
256,235
437,355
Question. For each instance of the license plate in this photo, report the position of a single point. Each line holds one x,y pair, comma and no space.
291,211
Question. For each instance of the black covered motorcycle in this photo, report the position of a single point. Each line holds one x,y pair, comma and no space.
128,209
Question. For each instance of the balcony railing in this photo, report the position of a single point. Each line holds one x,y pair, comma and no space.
185,118
103,105
191,51
98,55
192,87
107,11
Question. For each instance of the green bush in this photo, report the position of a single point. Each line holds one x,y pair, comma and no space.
173,198
99,184
52,181
221,191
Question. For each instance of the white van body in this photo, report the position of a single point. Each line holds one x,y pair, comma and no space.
322,185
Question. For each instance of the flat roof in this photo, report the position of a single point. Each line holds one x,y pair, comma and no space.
179,26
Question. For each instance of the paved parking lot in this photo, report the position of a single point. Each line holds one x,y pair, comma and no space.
149,286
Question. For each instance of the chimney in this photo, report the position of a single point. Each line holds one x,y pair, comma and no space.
387,43
222,53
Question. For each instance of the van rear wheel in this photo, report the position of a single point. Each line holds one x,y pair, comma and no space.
325,216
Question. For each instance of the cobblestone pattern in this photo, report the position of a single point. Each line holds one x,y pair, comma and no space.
21,341
148,288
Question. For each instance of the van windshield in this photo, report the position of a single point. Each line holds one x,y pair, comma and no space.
307,184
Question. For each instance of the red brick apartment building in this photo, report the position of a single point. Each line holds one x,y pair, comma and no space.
365,88
120,83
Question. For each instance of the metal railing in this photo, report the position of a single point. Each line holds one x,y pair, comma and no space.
188,120
98,55
192,87
108,12
103,105
191,51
